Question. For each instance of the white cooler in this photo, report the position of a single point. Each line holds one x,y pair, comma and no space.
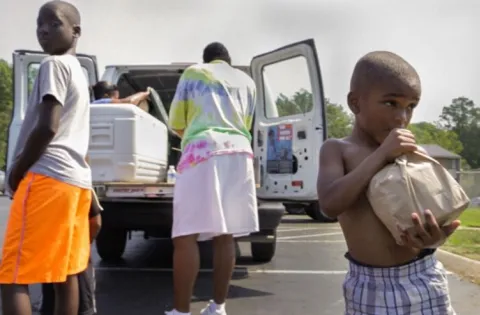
127,144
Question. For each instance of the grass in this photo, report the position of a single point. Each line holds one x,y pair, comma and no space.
466,242
471,217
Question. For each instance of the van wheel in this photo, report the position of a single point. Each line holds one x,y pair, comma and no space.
264,252
293,209
314,212
111,243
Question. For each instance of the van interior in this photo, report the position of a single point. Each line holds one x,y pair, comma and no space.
164,82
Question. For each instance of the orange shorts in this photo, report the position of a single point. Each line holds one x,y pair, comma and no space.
47,235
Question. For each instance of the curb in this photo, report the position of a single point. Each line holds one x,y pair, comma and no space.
465,267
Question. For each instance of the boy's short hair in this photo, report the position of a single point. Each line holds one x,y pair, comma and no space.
69,10
378,66
102,88
216,51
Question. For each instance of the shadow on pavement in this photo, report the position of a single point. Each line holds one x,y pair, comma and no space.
126,293
300,221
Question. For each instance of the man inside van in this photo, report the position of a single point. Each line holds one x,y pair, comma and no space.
106,93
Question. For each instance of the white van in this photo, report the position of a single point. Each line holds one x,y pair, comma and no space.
289,129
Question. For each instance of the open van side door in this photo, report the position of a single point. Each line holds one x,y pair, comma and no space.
289,124
25,68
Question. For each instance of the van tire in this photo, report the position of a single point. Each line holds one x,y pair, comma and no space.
111,244
313,211
264,252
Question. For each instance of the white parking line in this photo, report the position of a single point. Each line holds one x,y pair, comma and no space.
286,229
295,230
237,270
308,235
310,241
300,272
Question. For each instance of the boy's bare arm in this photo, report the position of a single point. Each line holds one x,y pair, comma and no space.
95,219
338,191
95,223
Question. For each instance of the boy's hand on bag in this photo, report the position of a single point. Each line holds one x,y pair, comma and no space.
428,234
398,142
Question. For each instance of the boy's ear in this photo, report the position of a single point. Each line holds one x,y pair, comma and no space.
77,31
352,100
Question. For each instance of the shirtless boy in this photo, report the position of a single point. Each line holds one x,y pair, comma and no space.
384,278
47,235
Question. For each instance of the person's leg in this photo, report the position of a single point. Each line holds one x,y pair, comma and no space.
48,299
66,297
223,264
86,287
39,239
15,300
186,263
24,246
67,294
189,218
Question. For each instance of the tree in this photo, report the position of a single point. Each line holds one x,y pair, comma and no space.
301,102
6,105
32,75
463,118
428,133
339,122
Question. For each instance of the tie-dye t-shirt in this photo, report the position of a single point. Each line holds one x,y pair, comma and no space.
213,105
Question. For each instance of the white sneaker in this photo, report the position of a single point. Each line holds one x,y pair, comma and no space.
210,310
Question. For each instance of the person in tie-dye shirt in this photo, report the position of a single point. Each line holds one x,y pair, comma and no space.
215,196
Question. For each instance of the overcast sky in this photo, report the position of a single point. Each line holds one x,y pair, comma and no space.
435,36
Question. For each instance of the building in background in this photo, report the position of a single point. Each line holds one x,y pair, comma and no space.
469,179
449,160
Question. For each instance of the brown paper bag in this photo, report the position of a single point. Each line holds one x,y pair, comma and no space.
414,183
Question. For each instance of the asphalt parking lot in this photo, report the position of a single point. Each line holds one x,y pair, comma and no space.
305,276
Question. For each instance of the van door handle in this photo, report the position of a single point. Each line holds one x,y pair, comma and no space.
259,138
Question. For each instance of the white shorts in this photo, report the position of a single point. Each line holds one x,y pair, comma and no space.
216,197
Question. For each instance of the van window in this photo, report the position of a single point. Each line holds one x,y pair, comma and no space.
287,88
33,72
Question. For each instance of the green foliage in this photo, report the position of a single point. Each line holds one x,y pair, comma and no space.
428,133
301,102
462,117
6,105
32,75
339,122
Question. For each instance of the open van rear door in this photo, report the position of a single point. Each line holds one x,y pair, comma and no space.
289,126
25,68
